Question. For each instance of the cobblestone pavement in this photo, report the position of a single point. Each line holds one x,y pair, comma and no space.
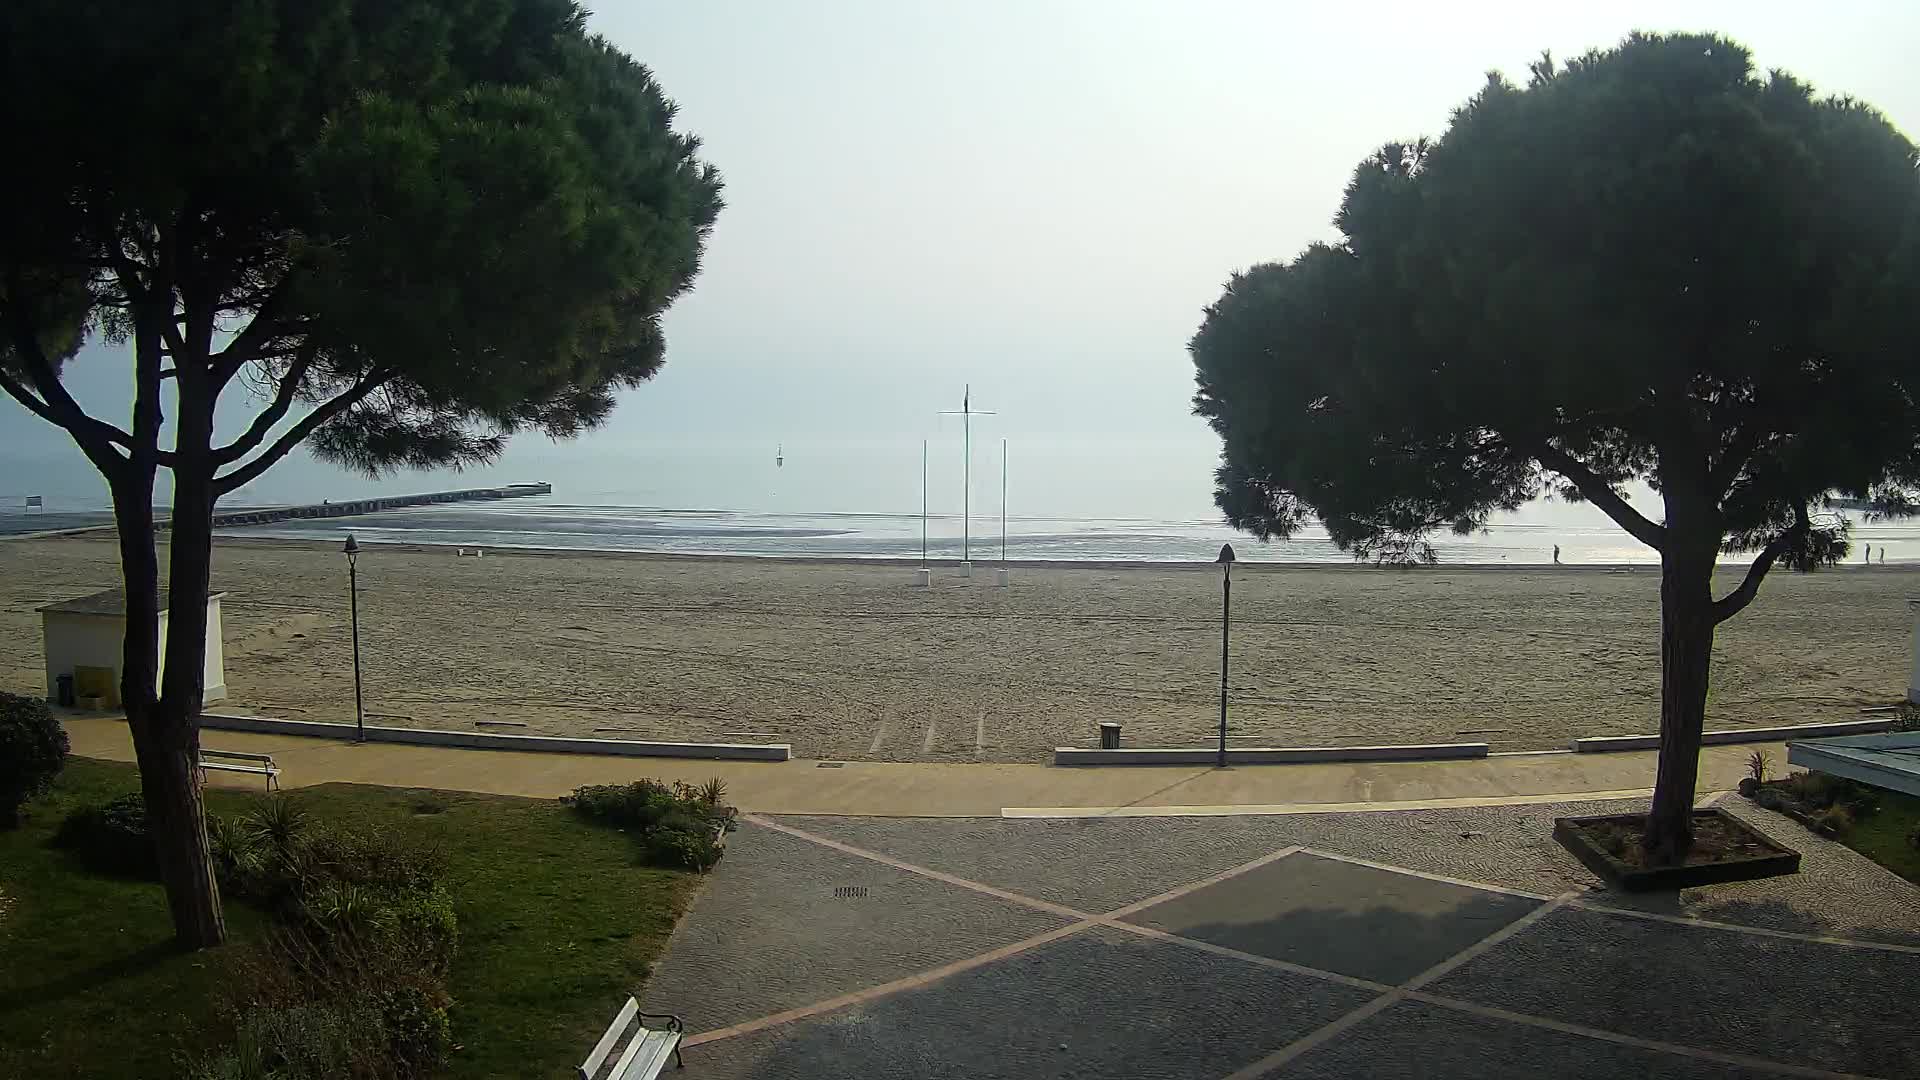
1438,943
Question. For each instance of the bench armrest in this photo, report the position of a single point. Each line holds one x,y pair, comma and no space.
673,1022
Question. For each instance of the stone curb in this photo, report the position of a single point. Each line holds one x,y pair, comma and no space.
1266,755
474,740
1603,743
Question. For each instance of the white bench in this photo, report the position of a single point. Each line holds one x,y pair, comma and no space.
646,1049
236,761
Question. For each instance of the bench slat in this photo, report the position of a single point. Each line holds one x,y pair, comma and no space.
258,770
654,1047
605,1046
243,755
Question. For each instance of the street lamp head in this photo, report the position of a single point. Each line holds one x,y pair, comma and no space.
353,546
1226,553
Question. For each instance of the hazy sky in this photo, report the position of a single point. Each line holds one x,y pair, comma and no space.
1039,197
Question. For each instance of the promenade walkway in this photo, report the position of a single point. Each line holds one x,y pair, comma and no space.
919,789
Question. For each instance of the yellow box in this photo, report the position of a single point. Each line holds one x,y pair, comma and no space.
97,682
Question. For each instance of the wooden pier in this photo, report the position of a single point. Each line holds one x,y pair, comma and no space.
269,515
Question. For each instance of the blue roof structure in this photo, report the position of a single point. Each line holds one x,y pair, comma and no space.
1890,761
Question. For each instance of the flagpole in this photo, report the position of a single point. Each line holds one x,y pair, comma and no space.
923,502
966,476
966,413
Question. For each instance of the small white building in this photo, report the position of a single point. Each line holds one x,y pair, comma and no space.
86,637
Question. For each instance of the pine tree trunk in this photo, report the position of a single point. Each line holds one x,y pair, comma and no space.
165,742
174,791
1686,654
167,746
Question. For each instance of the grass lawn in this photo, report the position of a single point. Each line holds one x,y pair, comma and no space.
558,923
1883,836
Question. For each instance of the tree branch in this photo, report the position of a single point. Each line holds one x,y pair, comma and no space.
246,346
97,438
32,403
1601,494
292,437
263,424
1736,601
1739,451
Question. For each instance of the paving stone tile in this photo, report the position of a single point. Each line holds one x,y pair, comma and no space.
1414,1039
1102,1003
1829,1006
1337,916
769,933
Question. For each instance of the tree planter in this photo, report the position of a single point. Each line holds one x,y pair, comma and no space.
1746,852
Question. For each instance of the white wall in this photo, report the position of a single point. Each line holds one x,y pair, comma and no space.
75,640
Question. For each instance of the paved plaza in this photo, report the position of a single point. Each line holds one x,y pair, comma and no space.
1435,943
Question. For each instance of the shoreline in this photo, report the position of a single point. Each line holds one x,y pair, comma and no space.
87,533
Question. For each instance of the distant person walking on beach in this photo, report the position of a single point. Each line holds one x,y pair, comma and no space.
1869,559
1556,554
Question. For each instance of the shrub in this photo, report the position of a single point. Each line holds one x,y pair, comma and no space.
1758,763
294,1042
417,1029
371,857
352,977
111,837
677,827
1818,790
239,860
33,749
278,823
681,849
1834,820
626,806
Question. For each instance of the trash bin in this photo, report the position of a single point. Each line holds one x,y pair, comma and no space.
1109,736
63,691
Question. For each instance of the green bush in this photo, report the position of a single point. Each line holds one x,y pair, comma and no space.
626,806
111,837
1833,820
239,860
1820,791
364,932
293,1042
33,749
680,849
425,920
677,827
369,857
418,1033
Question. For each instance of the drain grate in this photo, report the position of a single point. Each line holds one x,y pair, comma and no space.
831,765
850,892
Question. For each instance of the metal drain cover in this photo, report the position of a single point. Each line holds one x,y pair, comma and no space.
850,892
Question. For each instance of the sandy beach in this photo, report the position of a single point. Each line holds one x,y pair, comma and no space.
851,661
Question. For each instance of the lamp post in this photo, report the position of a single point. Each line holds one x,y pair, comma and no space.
353,601
1226,614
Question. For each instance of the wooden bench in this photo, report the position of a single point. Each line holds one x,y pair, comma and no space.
646,1048
236,761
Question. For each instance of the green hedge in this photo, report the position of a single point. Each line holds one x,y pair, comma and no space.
33,750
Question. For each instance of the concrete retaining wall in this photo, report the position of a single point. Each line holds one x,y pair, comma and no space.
475,740
1602,744
1266,755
